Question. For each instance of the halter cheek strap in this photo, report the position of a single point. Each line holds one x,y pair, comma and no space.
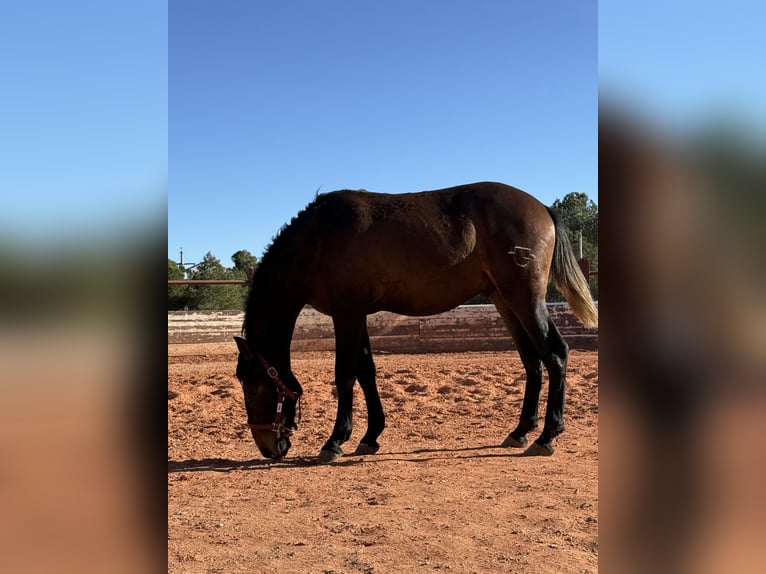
282,391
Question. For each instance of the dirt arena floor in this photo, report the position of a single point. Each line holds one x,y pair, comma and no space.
439,496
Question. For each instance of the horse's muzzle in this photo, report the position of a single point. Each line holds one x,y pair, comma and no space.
276,452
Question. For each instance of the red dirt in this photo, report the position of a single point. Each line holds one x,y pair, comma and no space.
440,495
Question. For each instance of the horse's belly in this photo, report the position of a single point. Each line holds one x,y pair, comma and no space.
429,293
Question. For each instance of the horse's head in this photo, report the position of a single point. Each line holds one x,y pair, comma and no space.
269,402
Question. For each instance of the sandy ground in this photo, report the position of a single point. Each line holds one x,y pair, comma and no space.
439,496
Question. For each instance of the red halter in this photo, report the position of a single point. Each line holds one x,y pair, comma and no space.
283,391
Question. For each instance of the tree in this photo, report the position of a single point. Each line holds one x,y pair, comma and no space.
209,297
178,296
244,263
580,215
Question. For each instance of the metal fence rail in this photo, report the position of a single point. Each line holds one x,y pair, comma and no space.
207,281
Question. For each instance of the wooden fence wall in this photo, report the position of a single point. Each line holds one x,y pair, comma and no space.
466,328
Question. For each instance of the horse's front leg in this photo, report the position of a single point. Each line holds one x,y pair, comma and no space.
341,432
348,332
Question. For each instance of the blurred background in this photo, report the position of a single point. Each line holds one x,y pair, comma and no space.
83,192
83,181
682,184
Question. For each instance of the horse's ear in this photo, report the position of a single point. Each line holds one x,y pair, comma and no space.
244,349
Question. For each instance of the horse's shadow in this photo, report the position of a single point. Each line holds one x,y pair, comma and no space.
350,459
227,465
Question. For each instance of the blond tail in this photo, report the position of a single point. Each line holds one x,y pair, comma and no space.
569,279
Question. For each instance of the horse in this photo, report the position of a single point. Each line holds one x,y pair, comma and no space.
351,253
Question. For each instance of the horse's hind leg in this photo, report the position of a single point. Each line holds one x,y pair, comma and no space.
376,421
534,373
553,351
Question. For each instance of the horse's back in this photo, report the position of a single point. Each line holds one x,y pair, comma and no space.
372,233
418,253
360,208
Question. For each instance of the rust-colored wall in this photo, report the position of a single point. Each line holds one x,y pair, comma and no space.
467,328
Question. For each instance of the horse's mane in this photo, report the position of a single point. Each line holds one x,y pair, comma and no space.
285,237
281,247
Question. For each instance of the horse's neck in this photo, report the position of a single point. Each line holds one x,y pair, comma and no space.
272,310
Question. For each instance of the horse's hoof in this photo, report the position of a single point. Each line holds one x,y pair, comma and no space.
538,449
513,441
328,456
363,449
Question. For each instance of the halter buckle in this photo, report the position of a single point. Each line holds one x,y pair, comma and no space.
282,390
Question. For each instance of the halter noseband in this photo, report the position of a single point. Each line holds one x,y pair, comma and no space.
283,391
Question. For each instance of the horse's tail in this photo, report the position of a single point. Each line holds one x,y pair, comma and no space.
568,277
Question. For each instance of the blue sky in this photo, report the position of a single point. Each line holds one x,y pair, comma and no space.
686,62
83,118
231,113
269,101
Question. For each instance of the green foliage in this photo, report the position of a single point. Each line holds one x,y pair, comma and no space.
244,263
178,296
579,214
211,297
214,297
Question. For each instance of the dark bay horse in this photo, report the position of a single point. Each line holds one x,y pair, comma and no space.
352,253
